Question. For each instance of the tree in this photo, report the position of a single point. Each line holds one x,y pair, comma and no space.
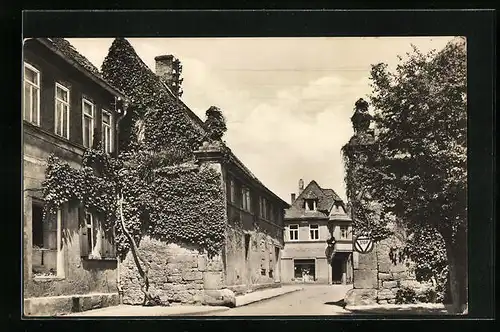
420,164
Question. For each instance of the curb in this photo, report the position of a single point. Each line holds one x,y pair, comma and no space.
266,298
200,313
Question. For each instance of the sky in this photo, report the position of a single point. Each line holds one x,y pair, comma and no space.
287,101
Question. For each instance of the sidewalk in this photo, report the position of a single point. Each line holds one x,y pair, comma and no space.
265,294
399,309
183,310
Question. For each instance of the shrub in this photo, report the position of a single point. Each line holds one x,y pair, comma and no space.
406,295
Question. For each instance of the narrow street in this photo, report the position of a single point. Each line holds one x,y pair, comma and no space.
312,300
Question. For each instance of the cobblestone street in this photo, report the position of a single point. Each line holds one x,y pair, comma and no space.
312,300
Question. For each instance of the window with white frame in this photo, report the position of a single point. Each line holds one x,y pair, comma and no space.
293,232
314,232
310,204
31,94
95,242
107,137
47,242
62,111
88,122
343,232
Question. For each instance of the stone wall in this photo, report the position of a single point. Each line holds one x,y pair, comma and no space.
176,274
377,277
258,266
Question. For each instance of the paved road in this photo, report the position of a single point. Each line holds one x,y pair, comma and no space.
312,300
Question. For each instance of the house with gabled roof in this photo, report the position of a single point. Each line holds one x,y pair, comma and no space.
250,257
317,215
69,263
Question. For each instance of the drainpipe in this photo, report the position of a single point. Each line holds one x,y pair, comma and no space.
117,135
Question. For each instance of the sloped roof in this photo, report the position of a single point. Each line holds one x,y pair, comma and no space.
326,201
70,54
69,50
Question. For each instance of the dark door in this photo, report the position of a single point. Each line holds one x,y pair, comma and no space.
337,270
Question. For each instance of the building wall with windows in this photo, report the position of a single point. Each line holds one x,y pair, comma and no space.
316,215
66,253
255,232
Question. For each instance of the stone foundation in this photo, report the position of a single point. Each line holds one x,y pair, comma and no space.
377,277
60,305
176,274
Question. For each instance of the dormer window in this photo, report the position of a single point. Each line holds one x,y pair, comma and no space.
310,204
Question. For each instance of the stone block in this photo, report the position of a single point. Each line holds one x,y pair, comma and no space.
174,278
382,302
385,276
367,261
356,297
173,268
365,279
189,260
212,280
183,296
214,265
385,294
391,301
390,284
384,267
400,275
49,306
221,297
193,286
192,275
202,263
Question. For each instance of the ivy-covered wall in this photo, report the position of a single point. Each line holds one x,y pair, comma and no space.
80,276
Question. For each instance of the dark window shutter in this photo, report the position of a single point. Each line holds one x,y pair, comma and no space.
84,248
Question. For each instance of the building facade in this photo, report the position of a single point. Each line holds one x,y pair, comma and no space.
316,216
253,245
254,238
66,105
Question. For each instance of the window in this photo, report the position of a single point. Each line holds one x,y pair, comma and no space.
294,232
232,191
264,208
46,240
245,199
314,232
94,242
107,137
31,94
88,123
343,232
62,111
304,269
310,204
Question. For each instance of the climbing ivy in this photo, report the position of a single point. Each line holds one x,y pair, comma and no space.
94,185
166,123
166,194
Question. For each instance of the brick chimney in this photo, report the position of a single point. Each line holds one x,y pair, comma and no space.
169,69
301,186
292,196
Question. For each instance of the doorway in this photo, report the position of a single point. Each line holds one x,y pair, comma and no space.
337,270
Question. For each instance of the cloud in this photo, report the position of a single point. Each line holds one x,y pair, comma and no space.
298,134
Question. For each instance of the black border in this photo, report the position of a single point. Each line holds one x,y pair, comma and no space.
477,25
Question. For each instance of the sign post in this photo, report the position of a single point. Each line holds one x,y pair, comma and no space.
363,243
